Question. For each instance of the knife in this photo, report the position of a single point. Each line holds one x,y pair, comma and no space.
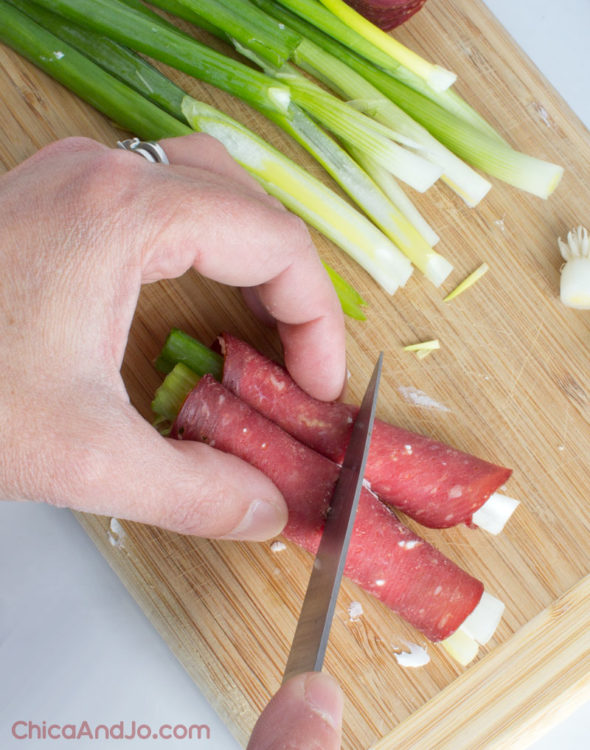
313,627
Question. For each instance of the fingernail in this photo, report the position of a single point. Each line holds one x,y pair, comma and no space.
324,696
262,521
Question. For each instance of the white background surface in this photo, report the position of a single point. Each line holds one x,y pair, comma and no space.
73,644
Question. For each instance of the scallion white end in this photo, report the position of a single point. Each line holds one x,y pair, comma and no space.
575,274
495,513
482,623
461,647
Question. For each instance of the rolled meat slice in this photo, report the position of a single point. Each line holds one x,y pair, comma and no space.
431,482
387,14
385,557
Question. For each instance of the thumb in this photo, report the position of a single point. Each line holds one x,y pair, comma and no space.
110,461
305,714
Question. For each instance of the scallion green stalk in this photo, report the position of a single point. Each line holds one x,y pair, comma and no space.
86,79
171,46
254,30
180,347
113,57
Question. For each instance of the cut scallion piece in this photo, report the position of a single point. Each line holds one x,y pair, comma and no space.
574,285
170,396
435,76
423,346
467,282
180,347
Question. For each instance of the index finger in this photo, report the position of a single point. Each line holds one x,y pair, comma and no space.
253,241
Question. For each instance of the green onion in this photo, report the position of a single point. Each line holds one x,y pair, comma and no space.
350,84
355,128
396,195
170,396
469,137
306,196
64,63
329,29
112,57
190,352
256,31
436,77
180,347
171,46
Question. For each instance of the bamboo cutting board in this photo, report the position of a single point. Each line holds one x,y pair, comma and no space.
509,384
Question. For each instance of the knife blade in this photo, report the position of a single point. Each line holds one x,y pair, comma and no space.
313,627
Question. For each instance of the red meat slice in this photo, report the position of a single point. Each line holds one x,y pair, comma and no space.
387,14
385,557
431,482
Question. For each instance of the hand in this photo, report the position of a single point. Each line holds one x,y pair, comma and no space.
305,714
81,228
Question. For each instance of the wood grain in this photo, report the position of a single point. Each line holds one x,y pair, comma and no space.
512,375
538,675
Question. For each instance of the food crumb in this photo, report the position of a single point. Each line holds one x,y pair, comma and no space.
278,546
417,656
115,534
355,610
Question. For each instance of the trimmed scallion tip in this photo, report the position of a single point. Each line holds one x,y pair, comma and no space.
575,273
435,76
467,282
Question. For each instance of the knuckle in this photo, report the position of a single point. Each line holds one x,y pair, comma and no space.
212,145
70,145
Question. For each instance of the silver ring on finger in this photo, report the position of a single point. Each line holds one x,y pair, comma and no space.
150,150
